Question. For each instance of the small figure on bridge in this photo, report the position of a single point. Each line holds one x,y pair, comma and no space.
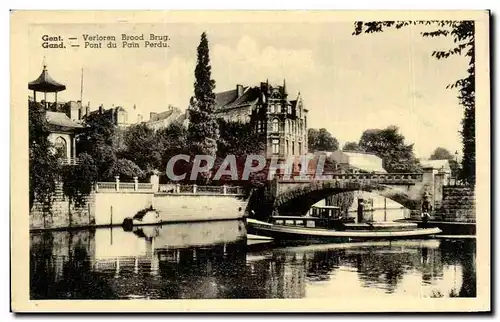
426,208
361,208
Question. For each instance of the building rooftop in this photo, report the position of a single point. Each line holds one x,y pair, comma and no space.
436,164
163,115
224,98
365,161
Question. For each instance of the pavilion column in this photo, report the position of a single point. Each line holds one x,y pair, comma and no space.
56,98
74,148
34,96
45,99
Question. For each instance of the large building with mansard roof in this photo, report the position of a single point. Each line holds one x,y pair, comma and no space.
281,117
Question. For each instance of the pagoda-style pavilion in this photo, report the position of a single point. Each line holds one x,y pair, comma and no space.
62,129
45,84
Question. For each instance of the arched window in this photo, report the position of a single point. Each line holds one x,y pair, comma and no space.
276,125
61,147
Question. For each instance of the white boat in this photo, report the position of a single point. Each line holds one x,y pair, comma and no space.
329,226
144,217
353,232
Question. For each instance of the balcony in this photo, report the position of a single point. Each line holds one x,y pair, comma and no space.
69,161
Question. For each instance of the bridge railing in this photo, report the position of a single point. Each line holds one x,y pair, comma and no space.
200,190
377,177
454,182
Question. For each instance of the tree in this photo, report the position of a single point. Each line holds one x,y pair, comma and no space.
98,141
441,154
203,131
321,140
351,146
239,138
464,38
78,180
174,141
389,145
126,169
44,167
143,147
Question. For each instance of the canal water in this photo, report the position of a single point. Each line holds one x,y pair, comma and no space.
212,260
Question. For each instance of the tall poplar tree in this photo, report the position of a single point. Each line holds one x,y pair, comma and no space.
203,130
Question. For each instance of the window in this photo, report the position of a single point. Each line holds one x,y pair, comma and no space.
289,109
61,147
276,146
276,125
271,108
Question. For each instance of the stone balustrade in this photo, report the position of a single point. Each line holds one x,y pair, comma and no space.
392,178
135,186
200,190
118,186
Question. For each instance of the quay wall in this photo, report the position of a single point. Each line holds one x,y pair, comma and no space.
192,207
458,205
105,208
113,207
63,213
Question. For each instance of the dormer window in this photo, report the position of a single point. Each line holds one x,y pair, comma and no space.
289,109
276,94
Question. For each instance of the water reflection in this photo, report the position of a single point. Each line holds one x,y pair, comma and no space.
211,260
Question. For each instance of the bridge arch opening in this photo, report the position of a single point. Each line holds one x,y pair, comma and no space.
377,208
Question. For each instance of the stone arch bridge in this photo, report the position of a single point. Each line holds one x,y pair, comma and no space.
297,194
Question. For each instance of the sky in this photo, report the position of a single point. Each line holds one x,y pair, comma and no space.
348,83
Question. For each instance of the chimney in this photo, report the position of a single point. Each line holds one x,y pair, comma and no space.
87,109
100,109
152,116
239,89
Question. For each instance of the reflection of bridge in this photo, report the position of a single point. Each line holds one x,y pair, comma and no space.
298,193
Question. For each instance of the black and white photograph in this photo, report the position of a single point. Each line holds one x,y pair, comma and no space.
329,157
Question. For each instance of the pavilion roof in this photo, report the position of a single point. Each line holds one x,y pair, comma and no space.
46,84
60,121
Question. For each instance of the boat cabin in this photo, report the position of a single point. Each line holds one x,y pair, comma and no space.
321,217
331,212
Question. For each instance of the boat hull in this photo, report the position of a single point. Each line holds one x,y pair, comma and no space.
317,235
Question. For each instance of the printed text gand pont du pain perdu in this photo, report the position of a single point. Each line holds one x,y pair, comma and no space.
95,41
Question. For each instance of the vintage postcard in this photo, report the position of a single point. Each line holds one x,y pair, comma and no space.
238,161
